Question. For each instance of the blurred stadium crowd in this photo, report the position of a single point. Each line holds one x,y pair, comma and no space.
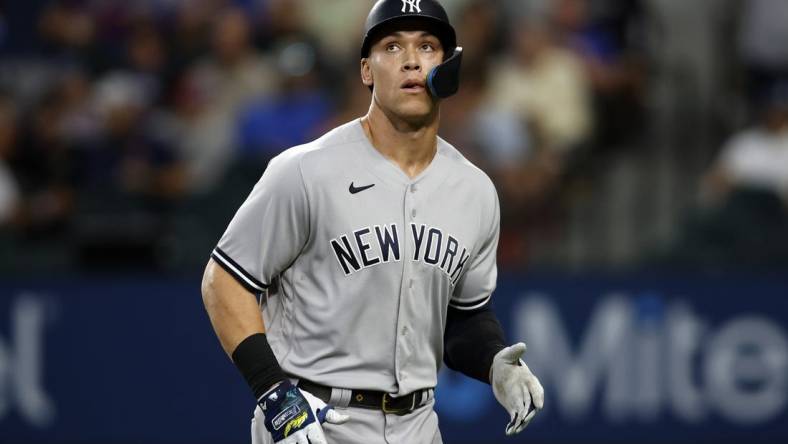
619,133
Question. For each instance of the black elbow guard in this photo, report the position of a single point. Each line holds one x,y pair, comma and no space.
471,340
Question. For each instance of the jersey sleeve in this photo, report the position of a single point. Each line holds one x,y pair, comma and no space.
474,290
269,229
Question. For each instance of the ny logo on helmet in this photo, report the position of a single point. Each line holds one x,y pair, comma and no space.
415,5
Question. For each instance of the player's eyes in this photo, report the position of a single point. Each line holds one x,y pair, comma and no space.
427,47
391,47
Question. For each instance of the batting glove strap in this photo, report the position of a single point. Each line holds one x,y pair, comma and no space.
286,411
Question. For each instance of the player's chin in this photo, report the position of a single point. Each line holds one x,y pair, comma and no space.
416,108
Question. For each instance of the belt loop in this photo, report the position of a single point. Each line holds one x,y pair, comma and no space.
427,395
340,397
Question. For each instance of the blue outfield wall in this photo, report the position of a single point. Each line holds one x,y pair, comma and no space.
624,359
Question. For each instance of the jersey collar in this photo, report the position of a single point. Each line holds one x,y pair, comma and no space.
387,170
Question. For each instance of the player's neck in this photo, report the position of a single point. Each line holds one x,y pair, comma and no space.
411,146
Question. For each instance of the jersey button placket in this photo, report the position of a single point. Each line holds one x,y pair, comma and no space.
412,189
402,338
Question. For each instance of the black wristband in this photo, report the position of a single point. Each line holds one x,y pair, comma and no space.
471,340
258,364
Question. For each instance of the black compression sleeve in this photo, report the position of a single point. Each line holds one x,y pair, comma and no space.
471,340
257,363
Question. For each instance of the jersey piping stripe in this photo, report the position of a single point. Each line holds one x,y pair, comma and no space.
237,271
472,305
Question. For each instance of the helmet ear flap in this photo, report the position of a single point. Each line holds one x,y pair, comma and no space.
444,80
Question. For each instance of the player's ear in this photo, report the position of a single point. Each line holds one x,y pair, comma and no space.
366,72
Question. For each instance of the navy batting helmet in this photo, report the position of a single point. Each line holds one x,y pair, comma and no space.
444,80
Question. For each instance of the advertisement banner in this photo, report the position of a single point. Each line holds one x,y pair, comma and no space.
625,358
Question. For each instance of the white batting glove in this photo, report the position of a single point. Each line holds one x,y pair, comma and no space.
515,387
294,416
324,412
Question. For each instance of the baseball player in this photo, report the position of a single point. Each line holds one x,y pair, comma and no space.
372,250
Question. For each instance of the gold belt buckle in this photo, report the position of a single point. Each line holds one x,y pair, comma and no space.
386,400
400,411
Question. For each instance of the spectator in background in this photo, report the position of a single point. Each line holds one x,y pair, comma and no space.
756,158
146,59
234,72
220,85
302,104
478,30
132,158
68,30
744,217
519,117
535,10
337,23
475,29
692,64
130,177
80,125
599,33
762,42
9,189
188,32
3,30
47,168
545,85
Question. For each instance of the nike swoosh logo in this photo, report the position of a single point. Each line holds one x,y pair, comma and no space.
353,189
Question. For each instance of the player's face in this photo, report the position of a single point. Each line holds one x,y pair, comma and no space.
398,66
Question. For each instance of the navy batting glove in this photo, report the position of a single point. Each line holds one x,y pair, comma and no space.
295,416
286,411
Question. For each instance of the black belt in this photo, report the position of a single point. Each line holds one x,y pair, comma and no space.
370,399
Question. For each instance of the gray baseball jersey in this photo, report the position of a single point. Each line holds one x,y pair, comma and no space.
366,259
